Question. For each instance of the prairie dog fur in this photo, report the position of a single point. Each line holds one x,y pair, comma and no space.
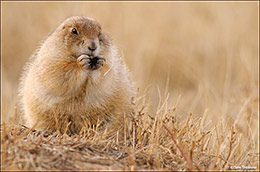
77,76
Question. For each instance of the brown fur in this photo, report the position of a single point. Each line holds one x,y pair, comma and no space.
56,82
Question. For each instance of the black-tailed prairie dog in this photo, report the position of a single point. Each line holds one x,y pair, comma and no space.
77,77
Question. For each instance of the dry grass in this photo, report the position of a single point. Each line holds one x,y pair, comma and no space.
162,142
200,62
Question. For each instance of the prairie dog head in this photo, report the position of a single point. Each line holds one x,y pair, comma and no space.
82,35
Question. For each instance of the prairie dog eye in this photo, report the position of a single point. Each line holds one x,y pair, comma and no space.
74,31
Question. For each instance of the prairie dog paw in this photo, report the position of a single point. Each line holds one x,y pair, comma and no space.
83,61
96,62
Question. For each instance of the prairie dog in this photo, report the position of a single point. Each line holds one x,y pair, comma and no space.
77,76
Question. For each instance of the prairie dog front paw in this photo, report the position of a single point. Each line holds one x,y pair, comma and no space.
90,62
83,61
96,62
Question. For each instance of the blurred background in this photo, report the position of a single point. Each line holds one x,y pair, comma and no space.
207,50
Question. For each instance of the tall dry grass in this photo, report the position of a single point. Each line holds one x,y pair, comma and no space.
194,57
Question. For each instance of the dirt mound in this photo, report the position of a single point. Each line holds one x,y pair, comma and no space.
162,142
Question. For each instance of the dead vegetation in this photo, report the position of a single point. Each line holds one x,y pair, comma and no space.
162,142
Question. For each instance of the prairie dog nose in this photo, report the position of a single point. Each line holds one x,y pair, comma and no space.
92,46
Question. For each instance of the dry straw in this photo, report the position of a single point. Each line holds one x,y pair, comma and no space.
160,142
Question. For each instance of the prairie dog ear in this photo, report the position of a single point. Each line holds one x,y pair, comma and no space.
89,18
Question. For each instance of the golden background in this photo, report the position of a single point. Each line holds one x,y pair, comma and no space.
209,50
